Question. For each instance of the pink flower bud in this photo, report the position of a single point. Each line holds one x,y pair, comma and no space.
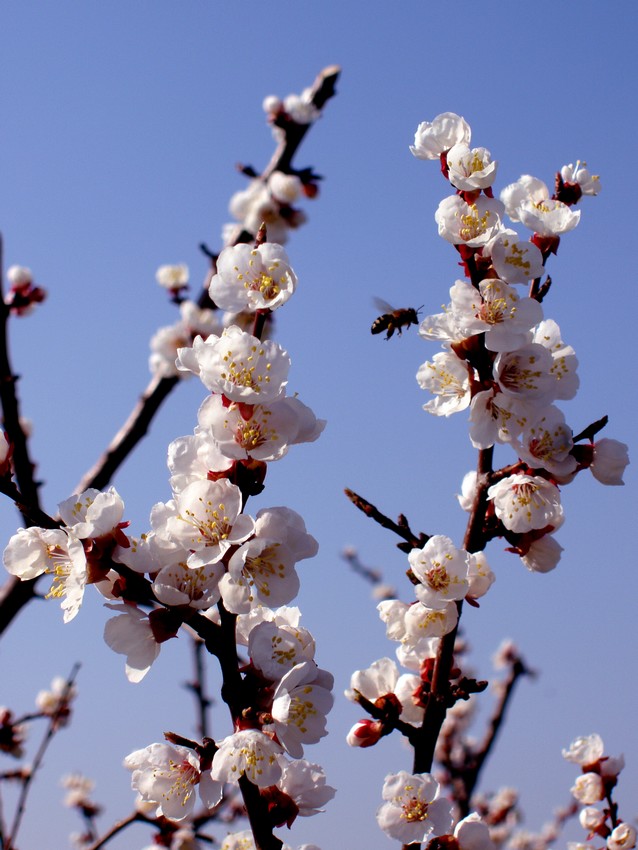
365,733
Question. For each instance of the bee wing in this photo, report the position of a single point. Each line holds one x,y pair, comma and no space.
382,306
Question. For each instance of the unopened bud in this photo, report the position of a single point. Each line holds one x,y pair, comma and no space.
365,733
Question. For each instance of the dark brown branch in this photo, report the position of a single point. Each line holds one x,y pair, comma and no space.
440,697
518,669
22,463
130,434
401,527
257,811
323,89
590,431
198,688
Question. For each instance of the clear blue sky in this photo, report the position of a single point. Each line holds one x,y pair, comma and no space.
122,122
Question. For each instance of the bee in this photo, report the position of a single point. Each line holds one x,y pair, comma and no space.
393,320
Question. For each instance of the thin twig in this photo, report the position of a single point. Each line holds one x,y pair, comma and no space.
117,828
198,687
39,756
401,527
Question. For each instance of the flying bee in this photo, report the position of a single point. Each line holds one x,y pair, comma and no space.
393,320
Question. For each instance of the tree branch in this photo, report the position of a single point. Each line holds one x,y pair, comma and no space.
15,594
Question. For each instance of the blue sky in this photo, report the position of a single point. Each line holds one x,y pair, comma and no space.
122,125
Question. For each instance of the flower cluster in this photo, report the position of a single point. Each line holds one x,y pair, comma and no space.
23,293
271,199
442,576
501,358
595,786
206,562
203,549
506,363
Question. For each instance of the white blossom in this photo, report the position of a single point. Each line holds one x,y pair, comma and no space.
479,575
172,277
166,342
516,261
470,170
588,788
19,275
170,775
468,490
414,811
275,648
34,551
260,431
547,442
528,201
301,108
206,519
586,750
623,837
433,138
92,513
496,310
130,634
301,701
424,622
527,373
448,378
609,462
472,833
543,555
285,616
251,753
564,358
377,680
253,278
305,783
526,502
406,688
498,417
472,224
442,571
193,457
198,588
285,188
238,365
578,173
261,572
548,217
57,699
79,790
591,818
